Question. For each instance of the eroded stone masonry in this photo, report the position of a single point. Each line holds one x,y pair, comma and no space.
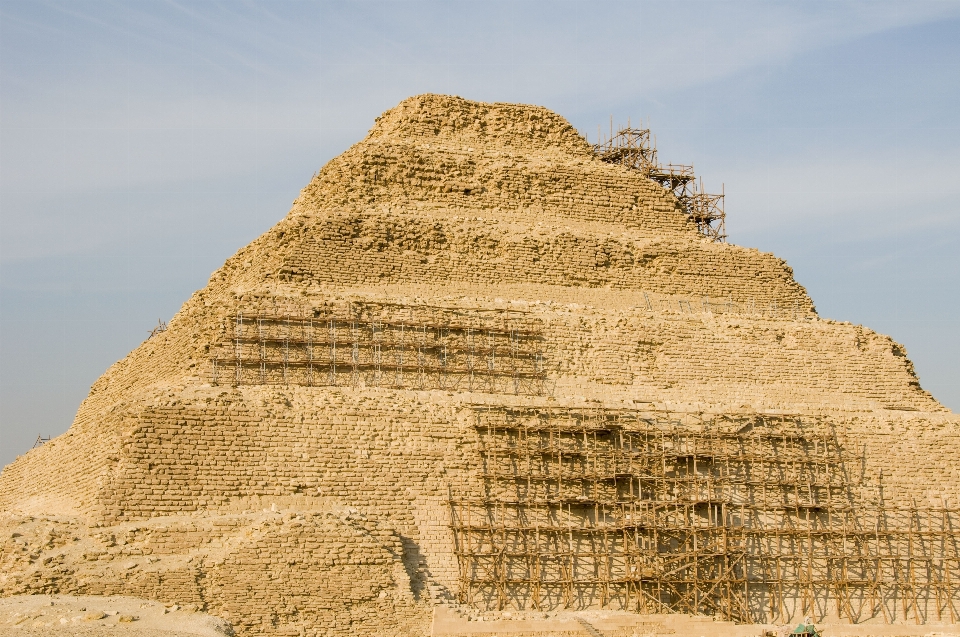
475,365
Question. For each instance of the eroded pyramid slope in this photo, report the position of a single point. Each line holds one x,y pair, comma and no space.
242,441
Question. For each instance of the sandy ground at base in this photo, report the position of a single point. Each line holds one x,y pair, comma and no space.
90,616
447,622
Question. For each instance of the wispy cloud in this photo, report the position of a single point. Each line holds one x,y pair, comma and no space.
874,196
107,97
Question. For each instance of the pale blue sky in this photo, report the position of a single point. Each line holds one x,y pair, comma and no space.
142,143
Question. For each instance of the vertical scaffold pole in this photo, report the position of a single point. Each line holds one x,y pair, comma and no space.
514,346
376,336
238,349
471,338
262,349
354,352
401,343
333,351
421,355
309,339
492,359
444,360
286,351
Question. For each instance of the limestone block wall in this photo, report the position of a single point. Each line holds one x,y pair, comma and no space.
325,577
507,125
283,573
85,456
391,455
505,158
350,250
723,359
702,360
390,466
445,176
731,361
913,456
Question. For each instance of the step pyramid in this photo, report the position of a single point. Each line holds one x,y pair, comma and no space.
477,365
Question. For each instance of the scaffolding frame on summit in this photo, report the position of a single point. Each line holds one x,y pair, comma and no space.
634,148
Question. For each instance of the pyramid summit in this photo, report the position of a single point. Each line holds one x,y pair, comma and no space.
479,367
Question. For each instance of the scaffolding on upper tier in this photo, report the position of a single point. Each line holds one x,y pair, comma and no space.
361,345
752,518
634,148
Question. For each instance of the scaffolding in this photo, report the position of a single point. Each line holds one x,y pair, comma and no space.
752,518
706,210
160,328
379,346
635,149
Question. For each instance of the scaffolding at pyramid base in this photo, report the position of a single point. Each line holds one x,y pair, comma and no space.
751,518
